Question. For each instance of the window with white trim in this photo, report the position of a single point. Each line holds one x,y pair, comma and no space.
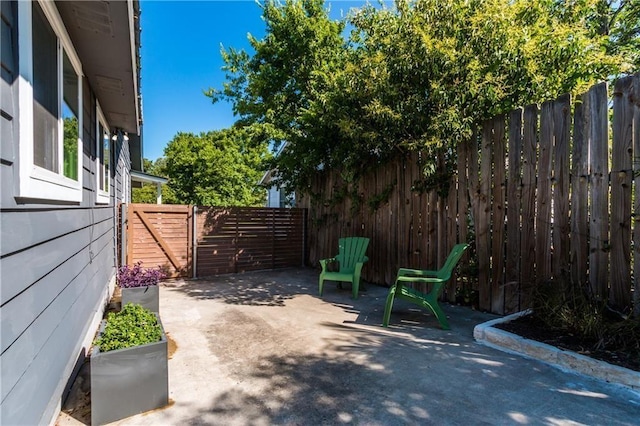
103,159
50,97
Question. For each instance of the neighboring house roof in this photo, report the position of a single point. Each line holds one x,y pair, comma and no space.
266,178
147,178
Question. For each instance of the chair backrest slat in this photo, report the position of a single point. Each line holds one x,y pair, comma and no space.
351,251
447,269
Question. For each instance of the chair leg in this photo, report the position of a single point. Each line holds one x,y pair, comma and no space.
439,313
389,305
355,287
320,285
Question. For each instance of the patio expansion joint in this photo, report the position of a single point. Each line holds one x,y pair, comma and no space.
568,361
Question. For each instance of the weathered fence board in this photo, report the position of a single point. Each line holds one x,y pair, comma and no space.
528,234
636,206
621,176
514,194
579,196
463,201
451,217
418,246
483,222
599,171
498,215
543,199
561,170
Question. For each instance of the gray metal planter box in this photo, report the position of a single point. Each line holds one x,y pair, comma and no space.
129,381
147,296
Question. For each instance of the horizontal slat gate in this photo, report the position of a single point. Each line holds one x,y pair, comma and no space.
239,239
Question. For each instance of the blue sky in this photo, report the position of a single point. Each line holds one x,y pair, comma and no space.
180,50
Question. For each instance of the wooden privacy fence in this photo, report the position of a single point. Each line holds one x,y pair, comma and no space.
219,240
241,239
543,193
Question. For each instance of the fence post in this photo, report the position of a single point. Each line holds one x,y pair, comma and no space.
123,234
129,236
194,241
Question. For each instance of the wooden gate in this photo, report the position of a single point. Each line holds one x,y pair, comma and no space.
225,240
239,239
160,235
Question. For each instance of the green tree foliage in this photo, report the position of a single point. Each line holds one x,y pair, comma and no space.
218,168
417,76
618,21
624,30
279,91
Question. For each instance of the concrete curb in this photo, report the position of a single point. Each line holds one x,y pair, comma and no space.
493,337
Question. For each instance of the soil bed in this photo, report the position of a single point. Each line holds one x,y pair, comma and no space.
531,328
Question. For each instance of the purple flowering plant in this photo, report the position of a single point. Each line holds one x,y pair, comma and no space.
137,276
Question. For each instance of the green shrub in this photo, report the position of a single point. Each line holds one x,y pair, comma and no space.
132,326
563,305
571,308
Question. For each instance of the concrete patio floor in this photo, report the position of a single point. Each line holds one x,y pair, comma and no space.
262,348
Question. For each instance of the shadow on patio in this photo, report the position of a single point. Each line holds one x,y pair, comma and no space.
328,361
262,288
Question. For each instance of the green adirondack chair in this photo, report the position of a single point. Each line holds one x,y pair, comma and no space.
426,300
351,259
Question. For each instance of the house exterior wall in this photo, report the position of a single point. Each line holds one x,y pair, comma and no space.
122,178
273,197
276,198
57,260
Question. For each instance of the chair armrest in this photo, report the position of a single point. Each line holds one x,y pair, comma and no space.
402,272
362,261
323,262
359,265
